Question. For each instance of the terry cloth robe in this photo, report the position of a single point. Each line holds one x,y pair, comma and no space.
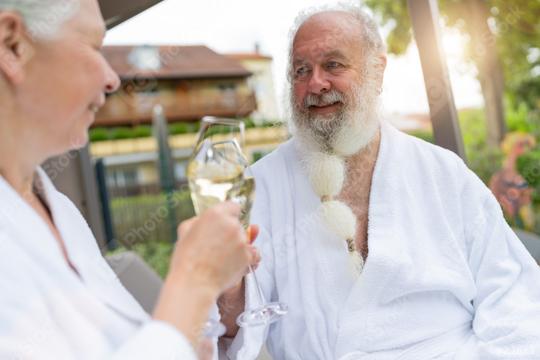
49,312
445,278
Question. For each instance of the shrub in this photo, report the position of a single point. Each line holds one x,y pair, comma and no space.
157,254
422,134
481,158
123,132
178,128
249,123
528,165
142,131
99,134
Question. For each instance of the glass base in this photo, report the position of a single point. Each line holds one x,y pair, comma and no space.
265,315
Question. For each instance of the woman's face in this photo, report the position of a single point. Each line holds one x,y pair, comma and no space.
65,82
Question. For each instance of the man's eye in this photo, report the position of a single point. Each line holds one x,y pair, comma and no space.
333,65
301,71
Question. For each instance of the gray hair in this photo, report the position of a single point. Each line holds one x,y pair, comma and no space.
372,44
43,18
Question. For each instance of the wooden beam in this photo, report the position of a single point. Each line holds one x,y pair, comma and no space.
425,22
117,11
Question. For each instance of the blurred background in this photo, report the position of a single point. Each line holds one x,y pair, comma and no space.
181,60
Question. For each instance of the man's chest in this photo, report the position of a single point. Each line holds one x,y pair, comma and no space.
357,198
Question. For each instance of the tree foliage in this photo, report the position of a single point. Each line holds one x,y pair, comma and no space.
514,26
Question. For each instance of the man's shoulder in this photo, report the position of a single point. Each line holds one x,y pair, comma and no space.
440,165
427,155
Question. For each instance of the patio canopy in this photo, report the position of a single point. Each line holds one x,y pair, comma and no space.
117,11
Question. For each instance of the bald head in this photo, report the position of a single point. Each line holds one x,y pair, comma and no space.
330,24
338,21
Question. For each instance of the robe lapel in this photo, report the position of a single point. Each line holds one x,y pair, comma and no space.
23,224
320,263
387,256
32,234
96,274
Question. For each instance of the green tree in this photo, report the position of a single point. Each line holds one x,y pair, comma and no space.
503,43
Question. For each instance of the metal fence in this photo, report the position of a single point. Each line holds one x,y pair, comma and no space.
141,213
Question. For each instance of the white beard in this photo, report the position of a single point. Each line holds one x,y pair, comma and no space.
324,142
344,133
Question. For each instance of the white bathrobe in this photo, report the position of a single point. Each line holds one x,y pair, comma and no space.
48,312
445,278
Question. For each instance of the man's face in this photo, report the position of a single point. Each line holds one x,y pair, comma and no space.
334,93
66,81
326,64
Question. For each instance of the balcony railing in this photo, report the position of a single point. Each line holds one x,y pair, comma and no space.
136,108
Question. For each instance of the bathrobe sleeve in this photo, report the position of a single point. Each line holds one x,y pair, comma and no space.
155,340
506,322
249,341
29,330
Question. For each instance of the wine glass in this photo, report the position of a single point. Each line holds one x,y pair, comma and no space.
218,171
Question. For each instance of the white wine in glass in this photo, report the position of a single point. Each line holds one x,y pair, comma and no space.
217,180
218,171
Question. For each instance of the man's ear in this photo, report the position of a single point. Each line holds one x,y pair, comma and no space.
381,66
15,47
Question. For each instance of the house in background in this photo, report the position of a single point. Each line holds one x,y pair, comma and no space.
262,83
188,81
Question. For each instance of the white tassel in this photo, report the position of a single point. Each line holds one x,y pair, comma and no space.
339,218
357,262
326,173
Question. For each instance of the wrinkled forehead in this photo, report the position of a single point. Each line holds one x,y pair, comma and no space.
324,33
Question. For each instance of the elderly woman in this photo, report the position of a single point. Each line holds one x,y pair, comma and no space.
58,297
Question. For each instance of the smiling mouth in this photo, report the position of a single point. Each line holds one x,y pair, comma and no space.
324,106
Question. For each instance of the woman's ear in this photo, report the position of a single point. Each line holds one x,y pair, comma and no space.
15,47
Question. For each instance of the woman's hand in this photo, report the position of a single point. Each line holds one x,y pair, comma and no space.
213,248
211,255
231,303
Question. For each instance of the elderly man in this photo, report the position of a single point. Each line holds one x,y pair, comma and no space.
58,297
382,245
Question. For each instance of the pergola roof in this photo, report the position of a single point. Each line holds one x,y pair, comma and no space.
117,11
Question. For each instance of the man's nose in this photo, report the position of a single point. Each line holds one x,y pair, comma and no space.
319,83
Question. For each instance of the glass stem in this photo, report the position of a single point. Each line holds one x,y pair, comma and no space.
259,291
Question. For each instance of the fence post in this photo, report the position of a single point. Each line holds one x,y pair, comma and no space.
165,165
101,177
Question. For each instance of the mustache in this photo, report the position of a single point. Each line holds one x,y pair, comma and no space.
331,97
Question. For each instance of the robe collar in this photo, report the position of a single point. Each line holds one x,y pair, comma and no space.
22,223
325,255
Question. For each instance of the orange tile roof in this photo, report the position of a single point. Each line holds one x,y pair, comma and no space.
177,62
248,56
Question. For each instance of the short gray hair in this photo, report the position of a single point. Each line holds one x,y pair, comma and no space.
43,18
373,43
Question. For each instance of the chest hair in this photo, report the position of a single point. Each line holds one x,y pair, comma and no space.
357,188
